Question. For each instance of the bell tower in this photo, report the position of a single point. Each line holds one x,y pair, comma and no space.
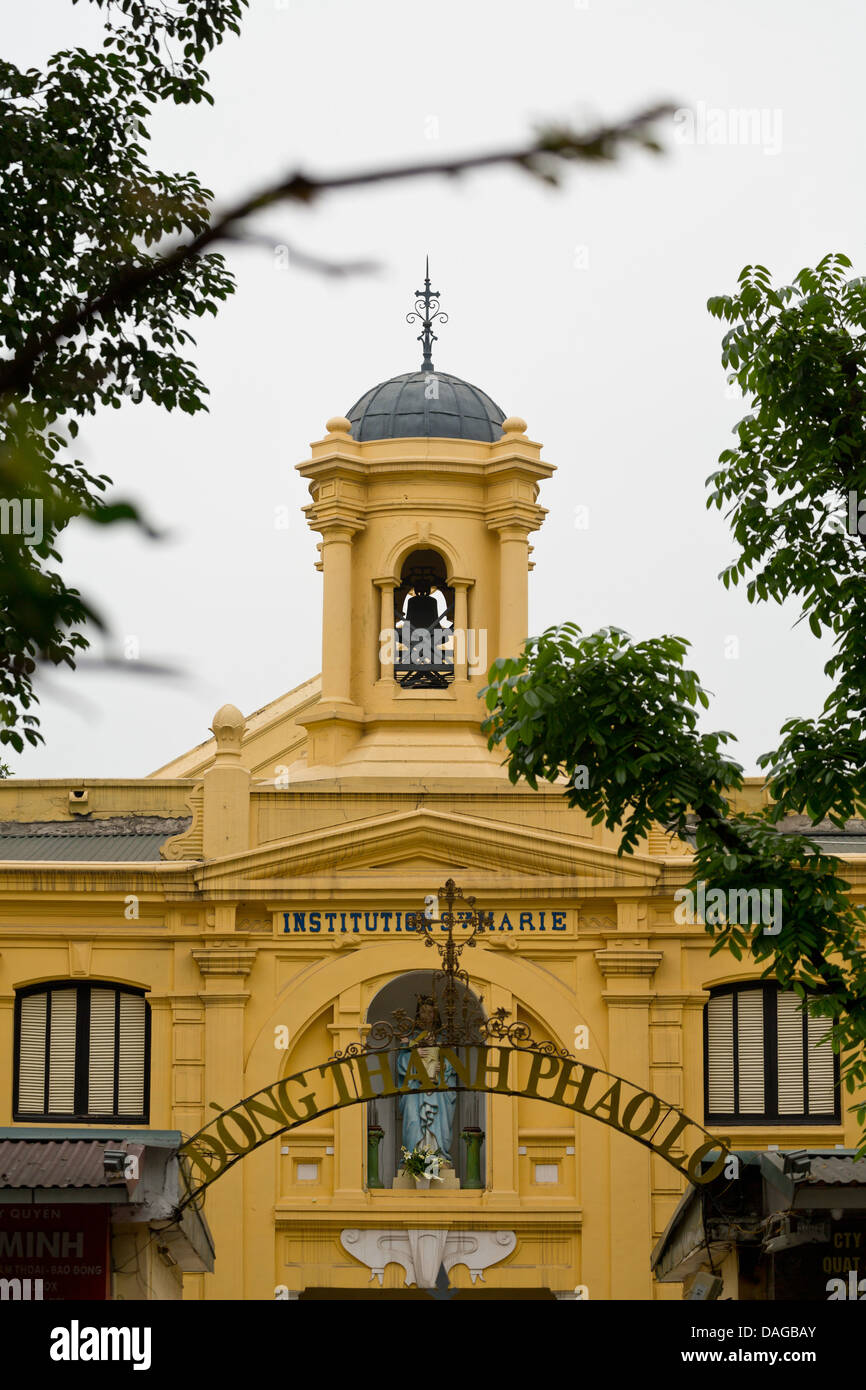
425,496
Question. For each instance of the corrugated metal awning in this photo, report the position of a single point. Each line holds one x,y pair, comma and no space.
835,1170
67,1163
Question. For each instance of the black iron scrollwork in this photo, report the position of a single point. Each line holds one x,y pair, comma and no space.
461,1021
427,311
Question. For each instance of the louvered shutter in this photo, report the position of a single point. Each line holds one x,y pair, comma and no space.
789,1018
31,1055
61,1061
822,1068
100,1089
720,1049
133,1022
750,1051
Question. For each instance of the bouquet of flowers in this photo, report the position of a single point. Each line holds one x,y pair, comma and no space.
422,1163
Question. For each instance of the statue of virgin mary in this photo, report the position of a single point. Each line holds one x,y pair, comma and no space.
427,1116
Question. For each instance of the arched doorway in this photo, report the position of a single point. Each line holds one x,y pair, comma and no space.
470,1109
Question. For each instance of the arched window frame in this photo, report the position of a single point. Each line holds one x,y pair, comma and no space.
80,1113
770,992
406,672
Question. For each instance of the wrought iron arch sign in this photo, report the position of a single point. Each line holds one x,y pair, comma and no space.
369,1075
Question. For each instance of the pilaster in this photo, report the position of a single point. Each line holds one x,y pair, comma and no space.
628,972
224,970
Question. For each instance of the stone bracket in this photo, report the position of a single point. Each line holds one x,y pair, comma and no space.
418,1250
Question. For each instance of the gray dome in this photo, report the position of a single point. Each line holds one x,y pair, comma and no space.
399,409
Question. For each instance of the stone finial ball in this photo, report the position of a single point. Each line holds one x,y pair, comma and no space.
228,726
514,425
338,424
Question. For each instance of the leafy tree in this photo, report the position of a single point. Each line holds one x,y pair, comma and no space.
619,719
80,201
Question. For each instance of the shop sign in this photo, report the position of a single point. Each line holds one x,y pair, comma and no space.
54,1252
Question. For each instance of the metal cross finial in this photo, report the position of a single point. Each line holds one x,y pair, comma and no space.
427,310
450,950
450,908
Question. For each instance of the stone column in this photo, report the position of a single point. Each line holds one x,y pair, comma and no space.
350,1123
161,1021
387,618
501,1125
7,1014
693,1046
224,969
337,613
513,590
461,627
628,972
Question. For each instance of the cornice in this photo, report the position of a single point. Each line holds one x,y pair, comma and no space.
79,877
333,517
224,960
629,962
515,512
437,1209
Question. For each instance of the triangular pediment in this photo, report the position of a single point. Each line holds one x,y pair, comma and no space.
411,863
427,846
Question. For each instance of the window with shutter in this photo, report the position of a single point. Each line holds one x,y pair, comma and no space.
720,1054
790,1044
100,1072
82,1052
821,1068
130,1081
31,1054
750,1051
61,1051
764,1060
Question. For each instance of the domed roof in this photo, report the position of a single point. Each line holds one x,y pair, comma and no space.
428,404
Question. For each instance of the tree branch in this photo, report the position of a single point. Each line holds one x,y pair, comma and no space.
560,143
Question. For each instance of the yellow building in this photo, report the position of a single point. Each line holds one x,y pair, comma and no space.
174,944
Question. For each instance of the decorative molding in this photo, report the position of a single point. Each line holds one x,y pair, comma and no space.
251,921
224,960
637,1001
190,843
418,1250
635,962
79,957
595,922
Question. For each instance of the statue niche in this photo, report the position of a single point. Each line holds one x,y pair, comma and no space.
424,624
419,1119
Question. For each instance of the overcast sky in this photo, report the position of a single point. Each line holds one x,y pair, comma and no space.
583,309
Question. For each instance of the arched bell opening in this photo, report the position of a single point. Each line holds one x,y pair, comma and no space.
424,623
403,995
